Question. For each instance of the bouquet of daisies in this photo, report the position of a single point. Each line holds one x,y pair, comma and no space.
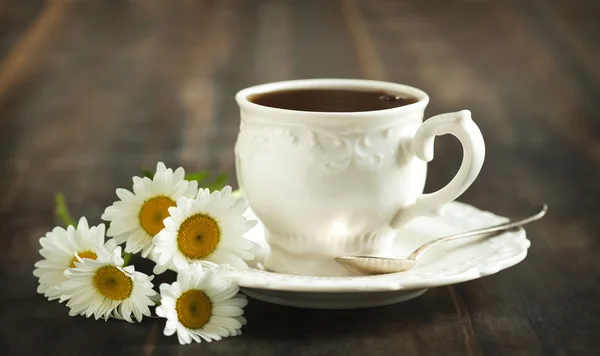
166,218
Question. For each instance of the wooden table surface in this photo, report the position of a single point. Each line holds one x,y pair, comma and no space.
90,91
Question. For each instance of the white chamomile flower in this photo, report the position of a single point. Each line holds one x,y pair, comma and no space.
59,248
138,216
207,230
202,304
104,288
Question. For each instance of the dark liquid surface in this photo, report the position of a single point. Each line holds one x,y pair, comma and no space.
331,100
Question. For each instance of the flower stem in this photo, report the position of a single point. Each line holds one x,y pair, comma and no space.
62,212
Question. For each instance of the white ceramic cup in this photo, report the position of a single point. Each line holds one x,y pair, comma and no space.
327,184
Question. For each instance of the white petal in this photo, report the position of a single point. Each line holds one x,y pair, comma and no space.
227,311
161,311
170,328
240,301
225,322
217,330
125,194
179,174
224,293
183,335
160,167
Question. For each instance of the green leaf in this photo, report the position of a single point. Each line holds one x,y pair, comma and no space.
147,173
202,178
62,211
197,176
127,258
218,183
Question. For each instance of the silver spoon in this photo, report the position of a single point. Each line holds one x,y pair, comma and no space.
368,265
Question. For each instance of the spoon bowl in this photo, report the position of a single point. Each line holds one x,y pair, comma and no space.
367,265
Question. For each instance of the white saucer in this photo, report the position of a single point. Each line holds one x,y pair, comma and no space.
447,264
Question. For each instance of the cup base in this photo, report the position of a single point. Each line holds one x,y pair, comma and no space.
281,261
314,255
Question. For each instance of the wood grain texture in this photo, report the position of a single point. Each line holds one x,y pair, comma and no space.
90,91
15,18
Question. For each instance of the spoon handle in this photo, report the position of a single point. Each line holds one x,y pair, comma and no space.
496,228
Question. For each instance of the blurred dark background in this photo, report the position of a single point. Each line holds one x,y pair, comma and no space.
91,91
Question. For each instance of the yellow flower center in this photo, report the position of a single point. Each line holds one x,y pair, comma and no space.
194,309
83,254
153,212
198,236
113,283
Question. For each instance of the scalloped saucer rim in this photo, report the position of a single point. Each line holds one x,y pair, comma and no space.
448,264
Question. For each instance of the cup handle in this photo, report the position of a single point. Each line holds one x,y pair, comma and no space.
462,126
